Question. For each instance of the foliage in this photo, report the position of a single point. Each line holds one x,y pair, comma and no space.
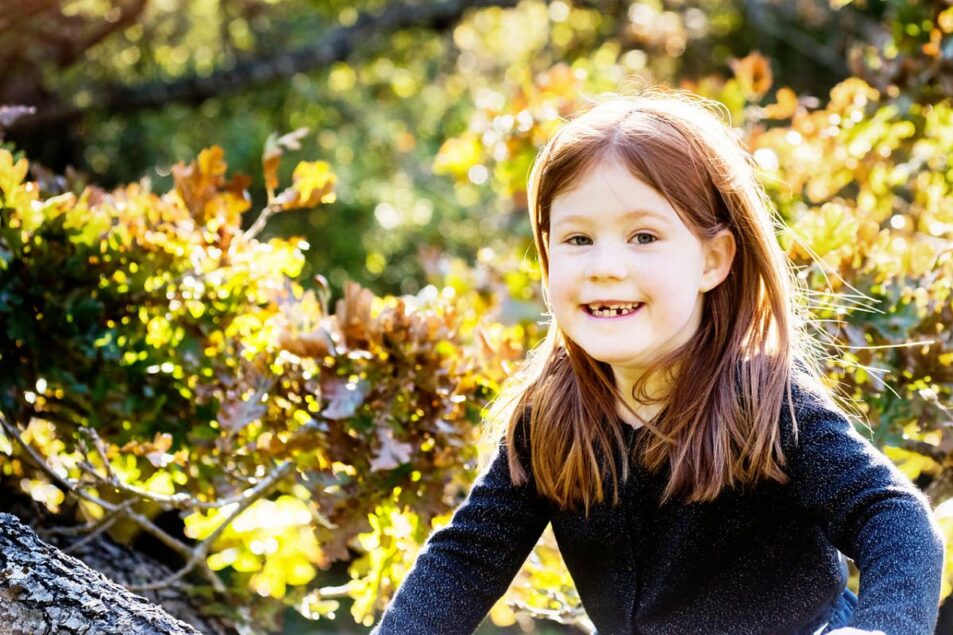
158,355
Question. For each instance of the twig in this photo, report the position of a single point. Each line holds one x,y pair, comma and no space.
40,462
259,224
176,501
926,449
100,450
332,592
199,553
122,509
104,524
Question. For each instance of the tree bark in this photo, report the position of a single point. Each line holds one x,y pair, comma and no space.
43,590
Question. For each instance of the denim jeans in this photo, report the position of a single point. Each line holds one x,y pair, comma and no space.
840,615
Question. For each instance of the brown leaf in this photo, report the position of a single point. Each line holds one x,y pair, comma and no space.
753,72
156,451
392,453
342,398
275,147
198,182
315,344
353,314
236,413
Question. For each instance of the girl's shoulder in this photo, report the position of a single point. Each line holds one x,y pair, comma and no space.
816,417
520,447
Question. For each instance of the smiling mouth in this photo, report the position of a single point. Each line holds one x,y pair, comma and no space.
611,312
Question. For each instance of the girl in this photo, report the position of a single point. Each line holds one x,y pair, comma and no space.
672,425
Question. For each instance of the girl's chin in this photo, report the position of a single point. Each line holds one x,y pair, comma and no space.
612,357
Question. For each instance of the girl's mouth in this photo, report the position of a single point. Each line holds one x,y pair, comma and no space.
611,313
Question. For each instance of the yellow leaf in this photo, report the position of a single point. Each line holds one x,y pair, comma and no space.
911,463
11,174
212,161
785,106
922,256
199,526
299,571
502,615
160,483
270,581
313,183
944,515
456,156
218,561
247,562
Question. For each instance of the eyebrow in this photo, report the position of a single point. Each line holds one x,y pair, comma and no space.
635,213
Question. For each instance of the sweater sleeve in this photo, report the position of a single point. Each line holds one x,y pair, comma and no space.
466,566
874,515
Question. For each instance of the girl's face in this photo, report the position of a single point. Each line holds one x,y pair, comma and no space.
626,275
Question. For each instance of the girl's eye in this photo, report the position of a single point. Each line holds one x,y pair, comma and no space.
641,242
584,240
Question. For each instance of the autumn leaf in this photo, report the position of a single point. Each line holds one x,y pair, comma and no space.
354,313
197,183
457,155
342,397
235,414
275,147
317,343
11,174
313,184
753,72
211,163
392,453
156,451
785,106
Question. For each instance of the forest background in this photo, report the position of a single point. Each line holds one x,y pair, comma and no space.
263,263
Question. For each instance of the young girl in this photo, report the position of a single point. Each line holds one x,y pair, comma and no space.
672,425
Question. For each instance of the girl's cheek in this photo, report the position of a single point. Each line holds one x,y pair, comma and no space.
651,269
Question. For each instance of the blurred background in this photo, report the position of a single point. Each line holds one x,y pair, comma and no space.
404,133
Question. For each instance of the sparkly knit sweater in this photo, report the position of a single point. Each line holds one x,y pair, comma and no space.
769,560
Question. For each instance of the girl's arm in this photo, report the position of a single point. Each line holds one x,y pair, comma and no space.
465,567
874,515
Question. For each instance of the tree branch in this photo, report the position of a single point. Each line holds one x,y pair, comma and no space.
43,590
337,44
128,14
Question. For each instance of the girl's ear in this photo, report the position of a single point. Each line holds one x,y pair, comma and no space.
719,254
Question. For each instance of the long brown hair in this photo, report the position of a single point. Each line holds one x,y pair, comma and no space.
719,425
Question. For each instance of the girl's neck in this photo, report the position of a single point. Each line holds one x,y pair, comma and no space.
656,389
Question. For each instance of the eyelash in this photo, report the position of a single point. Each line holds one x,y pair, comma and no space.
571,238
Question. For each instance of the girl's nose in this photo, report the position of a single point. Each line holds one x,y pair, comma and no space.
606,262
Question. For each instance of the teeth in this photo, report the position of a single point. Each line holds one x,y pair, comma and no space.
607,311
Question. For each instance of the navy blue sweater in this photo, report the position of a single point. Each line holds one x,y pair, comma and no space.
766,561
